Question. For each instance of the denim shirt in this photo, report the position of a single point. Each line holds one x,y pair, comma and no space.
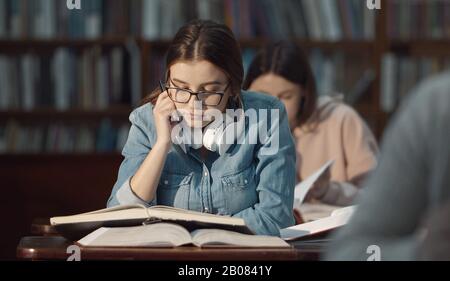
244,182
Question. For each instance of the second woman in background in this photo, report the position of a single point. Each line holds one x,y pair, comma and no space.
323,127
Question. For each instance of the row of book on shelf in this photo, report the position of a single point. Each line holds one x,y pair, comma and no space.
339,71
89,79
418,19
62,138
400,74
95,79
160,19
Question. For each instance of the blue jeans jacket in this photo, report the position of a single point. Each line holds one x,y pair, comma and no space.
245,182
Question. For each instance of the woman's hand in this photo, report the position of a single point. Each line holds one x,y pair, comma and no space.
298,217
162,111
320,187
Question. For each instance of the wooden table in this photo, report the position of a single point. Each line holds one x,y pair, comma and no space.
55,247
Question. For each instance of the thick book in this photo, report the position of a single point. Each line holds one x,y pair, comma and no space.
76,226
318,228
174,235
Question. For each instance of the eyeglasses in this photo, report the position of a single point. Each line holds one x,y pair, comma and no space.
209,98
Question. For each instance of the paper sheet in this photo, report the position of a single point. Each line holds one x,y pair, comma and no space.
302,188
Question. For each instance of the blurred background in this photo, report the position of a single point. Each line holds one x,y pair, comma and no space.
70,77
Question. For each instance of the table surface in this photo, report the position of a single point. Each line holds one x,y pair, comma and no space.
55,247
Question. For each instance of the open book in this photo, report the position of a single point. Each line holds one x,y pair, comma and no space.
311,211
76,226
313,229
174,235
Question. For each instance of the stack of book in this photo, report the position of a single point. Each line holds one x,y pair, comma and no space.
159,226
163,226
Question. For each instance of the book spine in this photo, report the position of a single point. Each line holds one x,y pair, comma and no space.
5,85
28,69
151,19
389,72
61,75
93,21
312,19
3,19
330,20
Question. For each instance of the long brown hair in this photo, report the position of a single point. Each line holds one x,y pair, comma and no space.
289,61
206,40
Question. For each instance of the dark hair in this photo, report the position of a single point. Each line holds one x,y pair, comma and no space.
206,40
288,60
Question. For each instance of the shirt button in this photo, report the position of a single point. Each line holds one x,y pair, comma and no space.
245,181
166,182
206,210
206,174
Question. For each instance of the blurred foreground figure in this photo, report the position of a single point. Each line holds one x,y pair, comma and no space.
405,209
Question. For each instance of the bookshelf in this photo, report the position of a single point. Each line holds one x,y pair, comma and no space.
373,48
141,64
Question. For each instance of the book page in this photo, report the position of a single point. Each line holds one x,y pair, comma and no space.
302,188
219,238
114,209
344,211
152,235
115,213
312,211
183,212
338,219
169,213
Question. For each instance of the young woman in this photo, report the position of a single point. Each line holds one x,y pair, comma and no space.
324,128
204,65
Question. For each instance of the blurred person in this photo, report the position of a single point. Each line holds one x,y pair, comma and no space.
405,210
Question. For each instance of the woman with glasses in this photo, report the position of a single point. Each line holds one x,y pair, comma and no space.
324,128
205,72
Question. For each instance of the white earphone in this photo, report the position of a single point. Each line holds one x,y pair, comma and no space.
218,136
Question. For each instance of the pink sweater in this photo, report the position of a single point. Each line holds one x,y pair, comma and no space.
342,135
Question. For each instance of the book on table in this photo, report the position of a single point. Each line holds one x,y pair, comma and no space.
175,235
156,226
318,228
320,219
